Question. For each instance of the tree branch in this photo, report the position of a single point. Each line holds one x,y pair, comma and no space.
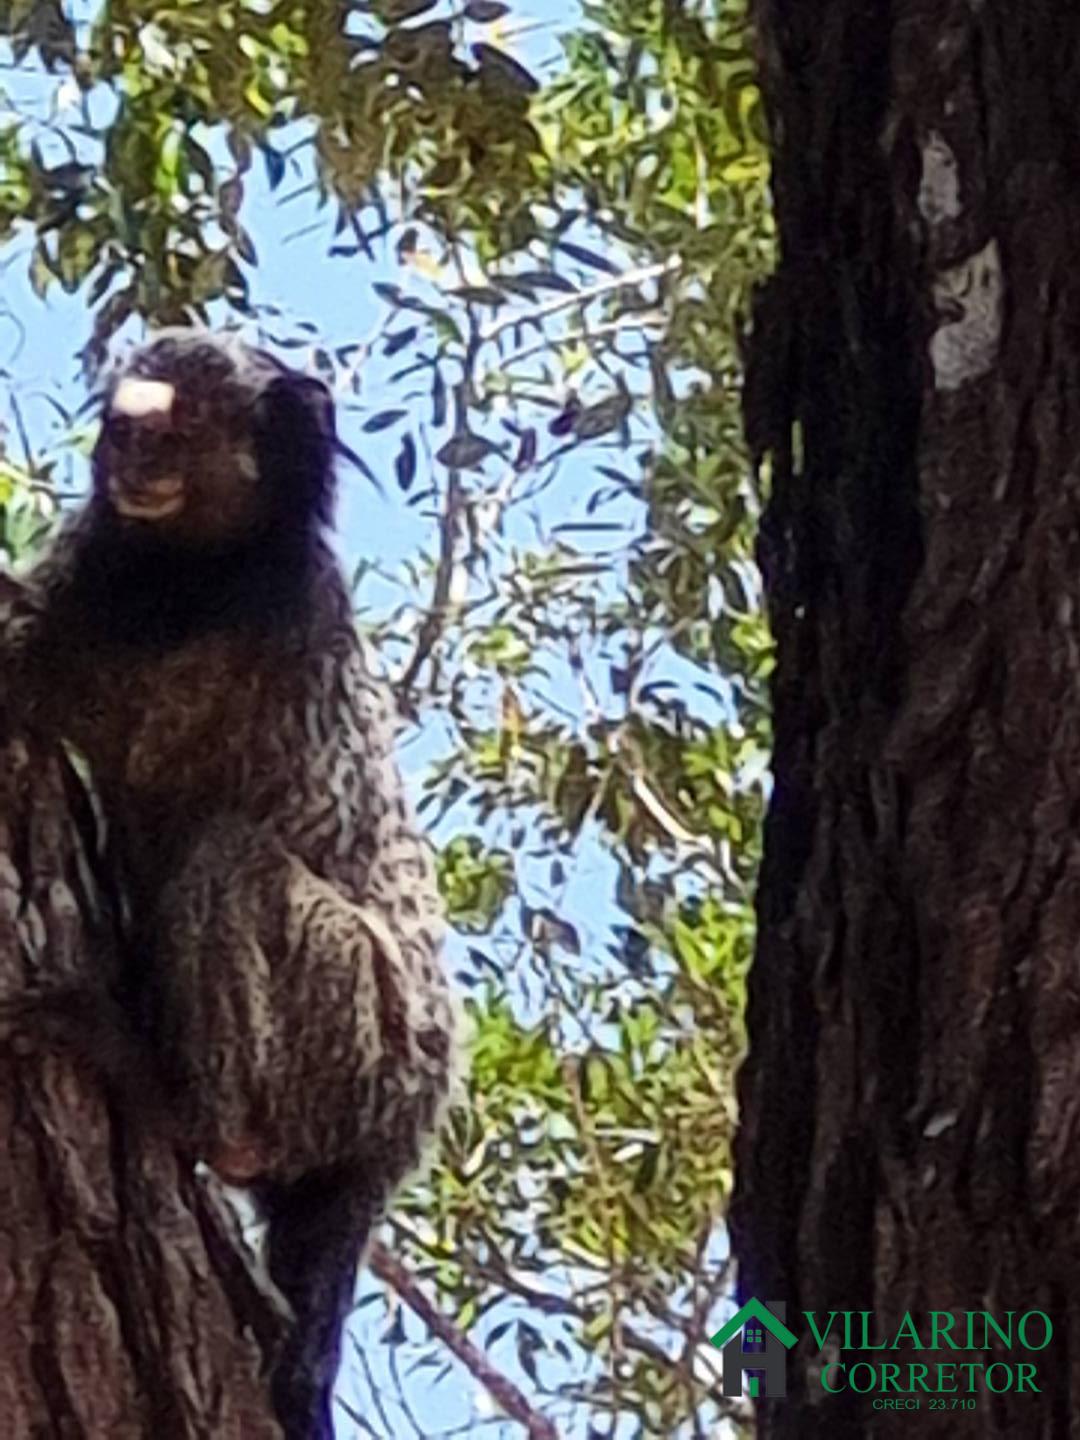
501,1389
434,621
598,332
581,297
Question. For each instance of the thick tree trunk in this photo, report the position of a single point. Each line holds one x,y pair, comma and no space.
910,1137
126,1313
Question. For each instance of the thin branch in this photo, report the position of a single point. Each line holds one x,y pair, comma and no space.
434,622
581,297
686,839
24,438
598,332
364,349
499,1387
402,1399
549,1303
373,1390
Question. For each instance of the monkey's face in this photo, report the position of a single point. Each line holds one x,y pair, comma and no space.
206,441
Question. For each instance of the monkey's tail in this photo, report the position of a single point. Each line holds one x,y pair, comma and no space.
317,1230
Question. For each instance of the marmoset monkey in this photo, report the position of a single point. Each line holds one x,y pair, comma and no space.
189,631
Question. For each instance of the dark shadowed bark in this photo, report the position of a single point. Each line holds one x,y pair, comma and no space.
124,1310
911,1101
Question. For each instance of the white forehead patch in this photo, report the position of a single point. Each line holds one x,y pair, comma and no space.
137,398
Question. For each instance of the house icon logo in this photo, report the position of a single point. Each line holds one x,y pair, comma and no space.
762,1347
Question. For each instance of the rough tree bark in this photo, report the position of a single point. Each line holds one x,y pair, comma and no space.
125,1312
911,1101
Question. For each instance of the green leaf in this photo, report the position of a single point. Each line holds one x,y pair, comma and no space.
405,464
396,10
588,257
482,12
599,419
383,420
399,340
41,272
547,280
504,71
275,165
479,294
465,452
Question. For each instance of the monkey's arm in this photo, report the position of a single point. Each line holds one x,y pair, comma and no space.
399,895
405,1050
372,1101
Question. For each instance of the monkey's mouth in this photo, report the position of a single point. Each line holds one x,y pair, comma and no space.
148,500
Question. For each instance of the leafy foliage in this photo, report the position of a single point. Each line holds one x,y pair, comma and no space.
559,269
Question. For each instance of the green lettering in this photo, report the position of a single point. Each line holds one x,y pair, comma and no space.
946,1373
907,1329
941,1324
972,1344
1026,1373
1048,1329
867,1343
890,1377
832,1389
1005,1336
810,1316
1006,1377
917,1376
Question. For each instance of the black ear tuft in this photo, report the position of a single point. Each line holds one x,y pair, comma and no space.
295,441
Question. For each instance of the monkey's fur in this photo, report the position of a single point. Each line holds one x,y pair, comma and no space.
190,633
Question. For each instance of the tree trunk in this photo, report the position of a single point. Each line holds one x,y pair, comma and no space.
126,1312
910,1135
